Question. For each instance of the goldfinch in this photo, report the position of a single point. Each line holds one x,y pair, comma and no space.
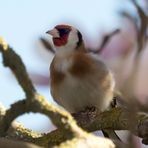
79,79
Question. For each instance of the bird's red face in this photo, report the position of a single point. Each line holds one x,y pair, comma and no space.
60,34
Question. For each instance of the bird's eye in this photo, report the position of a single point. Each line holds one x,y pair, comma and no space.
63,31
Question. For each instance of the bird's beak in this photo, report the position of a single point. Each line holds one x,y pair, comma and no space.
54,33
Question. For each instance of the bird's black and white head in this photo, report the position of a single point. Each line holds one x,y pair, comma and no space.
65,37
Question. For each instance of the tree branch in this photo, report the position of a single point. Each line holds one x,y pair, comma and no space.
14,62
116,119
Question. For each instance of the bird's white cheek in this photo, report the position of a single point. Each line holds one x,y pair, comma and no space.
72,40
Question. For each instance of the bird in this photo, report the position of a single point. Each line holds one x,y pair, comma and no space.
78,79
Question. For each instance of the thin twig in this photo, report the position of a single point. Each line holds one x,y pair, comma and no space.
105,41
143,27
47,45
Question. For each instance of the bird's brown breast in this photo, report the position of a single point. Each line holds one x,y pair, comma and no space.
82,65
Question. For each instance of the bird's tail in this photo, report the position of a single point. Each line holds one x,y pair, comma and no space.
111,134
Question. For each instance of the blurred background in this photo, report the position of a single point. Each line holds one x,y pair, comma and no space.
23,23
